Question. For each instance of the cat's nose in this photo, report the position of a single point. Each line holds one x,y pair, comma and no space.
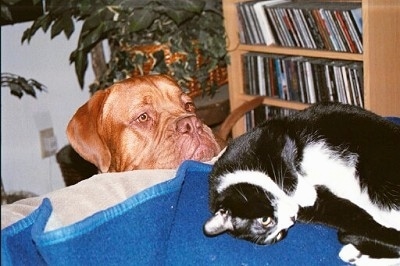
293,219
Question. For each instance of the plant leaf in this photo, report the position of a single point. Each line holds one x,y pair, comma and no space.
41,22
141,19
28,89
81,62
160,66
181,10
11,2
63,24
179,16
90,38
39,86
135,4
19,85
5,13
193,6
59,7
92,21
16,90
69,27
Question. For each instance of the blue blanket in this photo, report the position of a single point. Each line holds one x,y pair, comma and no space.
159,226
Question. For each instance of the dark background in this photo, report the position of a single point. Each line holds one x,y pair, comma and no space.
23,11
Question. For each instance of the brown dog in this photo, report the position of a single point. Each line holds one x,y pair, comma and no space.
144,122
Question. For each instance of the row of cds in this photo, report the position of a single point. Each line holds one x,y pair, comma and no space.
303,79
304,24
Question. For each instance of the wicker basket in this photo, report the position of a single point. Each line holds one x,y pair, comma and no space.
218,76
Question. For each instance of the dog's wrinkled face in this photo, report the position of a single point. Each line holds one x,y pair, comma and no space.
144,122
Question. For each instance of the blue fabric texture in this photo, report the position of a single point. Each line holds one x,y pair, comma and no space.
394,119
162,225
17,247
134,232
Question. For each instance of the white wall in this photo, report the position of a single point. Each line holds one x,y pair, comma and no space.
47,61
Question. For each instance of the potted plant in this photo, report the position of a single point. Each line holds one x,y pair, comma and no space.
184,38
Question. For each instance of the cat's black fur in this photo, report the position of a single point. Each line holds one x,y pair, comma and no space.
354,139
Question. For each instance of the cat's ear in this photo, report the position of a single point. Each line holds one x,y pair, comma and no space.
219,223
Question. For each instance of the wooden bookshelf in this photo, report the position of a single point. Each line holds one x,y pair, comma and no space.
381,58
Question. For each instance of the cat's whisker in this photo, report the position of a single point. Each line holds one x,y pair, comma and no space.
257,239
280,177
275,176
241,193
266,195
282,174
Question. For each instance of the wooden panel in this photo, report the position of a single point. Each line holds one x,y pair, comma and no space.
301,52
381,22
235,77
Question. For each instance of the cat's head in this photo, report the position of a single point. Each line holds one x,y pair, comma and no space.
249,211
248,195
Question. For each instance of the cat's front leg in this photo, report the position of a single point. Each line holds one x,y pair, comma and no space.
362,250
375,246
350,254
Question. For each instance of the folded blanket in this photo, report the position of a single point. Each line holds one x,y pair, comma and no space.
160,225
74,203
67,223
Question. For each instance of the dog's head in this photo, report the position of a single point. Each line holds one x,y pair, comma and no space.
144,122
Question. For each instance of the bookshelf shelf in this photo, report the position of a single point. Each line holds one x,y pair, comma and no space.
380,58
300,52
276,102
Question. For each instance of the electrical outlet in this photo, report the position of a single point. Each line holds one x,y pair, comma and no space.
48,142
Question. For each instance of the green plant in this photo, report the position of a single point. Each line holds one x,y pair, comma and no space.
19,85
188,27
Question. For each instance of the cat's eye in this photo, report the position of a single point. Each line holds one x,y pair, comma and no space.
265,221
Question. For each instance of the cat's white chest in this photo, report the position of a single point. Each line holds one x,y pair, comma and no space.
324,167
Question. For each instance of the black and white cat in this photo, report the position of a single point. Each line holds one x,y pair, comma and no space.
333,164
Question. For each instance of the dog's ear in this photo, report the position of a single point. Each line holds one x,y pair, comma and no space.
83,132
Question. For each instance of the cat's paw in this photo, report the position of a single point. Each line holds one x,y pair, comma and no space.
350,254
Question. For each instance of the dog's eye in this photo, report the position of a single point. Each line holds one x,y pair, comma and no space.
143,117
189,106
